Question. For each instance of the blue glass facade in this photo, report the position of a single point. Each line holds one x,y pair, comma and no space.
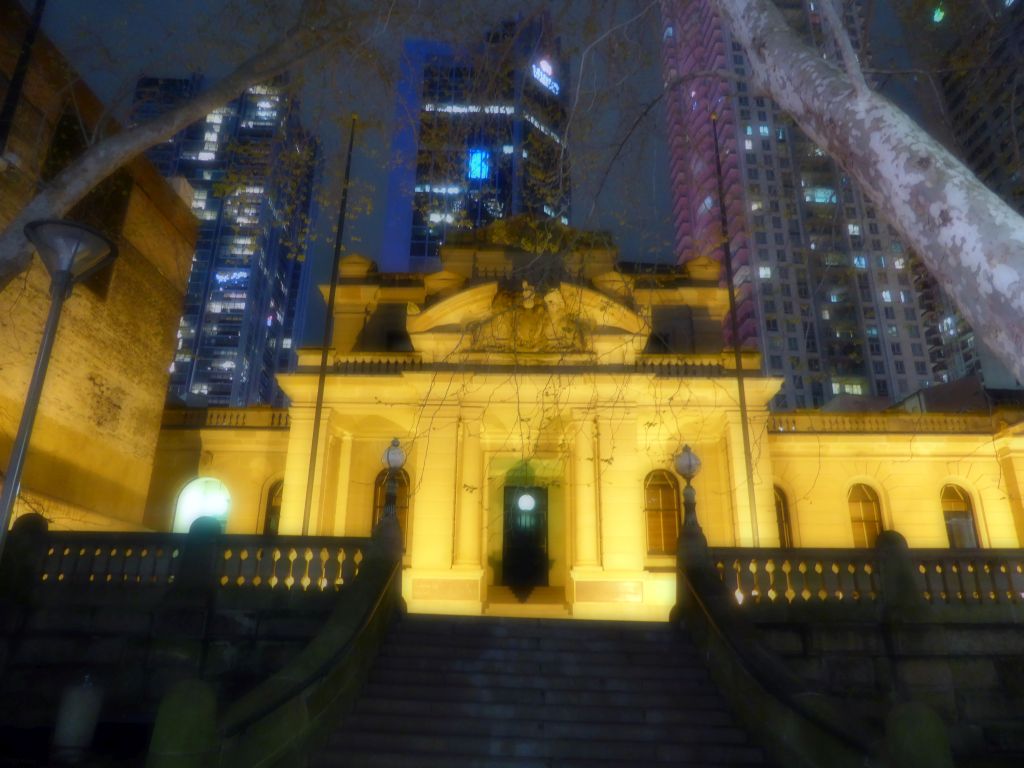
251,168
480,135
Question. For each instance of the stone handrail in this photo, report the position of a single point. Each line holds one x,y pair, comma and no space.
277,722
848,576
228,561
797,724
874,423
206,418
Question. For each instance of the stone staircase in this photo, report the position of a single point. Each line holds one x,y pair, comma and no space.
459,692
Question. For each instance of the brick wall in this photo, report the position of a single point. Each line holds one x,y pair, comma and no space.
95,435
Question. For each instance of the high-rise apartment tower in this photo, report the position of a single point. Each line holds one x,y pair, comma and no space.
820,278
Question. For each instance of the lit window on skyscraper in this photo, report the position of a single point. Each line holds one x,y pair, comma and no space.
479,164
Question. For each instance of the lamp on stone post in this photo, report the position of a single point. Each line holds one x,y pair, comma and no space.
71,253
388,529
688,465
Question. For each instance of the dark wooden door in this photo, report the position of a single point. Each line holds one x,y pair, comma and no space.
525,550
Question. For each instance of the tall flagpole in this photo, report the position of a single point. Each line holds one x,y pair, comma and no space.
328,330
735,323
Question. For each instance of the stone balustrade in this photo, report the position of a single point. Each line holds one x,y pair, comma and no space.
239,561
798,575
828,655
291,562
890,422
942,576
250,418
980,576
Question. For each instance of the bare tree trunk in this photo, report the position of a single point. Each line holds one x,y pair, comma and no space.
970,240
60,194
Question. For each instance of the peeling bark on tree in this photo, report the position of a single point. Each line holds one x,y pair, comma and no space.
60,194
970,240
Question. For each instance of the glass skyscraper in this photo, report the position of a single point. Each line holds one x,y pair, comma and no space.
251,167
480,136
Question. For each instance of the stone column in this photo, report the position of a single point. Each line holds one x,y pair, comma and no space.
300,437
469,492
620,493
434,492
1010,452
339,525
585,493
754,527
322,524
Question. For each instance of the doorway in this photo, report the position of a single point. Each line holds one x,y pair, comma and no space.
525,544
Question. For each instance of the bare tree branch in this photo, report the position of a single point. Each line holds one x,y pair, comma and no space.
98,162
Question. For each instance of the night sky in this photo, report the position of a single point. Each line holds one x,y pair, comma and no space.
612,48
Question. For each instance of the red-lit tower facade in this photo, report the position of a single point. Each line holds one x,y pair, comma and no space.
698,106
822,284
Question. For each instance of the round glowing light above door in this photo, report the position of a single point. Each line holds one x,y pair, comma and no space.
526,503
203,497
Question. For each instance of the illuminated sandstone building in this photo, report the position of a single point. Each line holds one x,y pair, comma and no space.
92,448
541,393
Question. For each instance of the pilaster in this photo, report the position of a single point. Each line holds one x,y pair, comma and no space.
585,524
469,492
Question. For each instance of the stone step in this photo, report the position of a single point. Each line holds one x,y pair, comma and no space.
465,627
620,752
519,695
563,641
531,663
495,692
443,723
607,684
555,645
703,714
501,648
359,759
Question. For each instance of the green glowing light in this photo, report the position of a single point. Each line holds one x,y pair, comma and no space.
938,15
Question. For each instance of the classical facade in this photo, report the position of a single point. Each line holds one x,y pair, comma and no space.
540,396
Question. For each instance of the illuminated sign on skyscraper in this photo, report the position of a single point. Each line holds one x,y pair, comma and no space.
543,74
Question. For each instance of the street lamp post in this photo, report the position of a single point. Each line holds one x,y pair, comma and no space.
388,528
71,253
688,465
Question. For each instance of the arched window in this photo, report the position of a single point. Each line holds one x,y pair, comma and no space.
782,518
272,514
865,515
959,515
661,508
380,494
203,497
